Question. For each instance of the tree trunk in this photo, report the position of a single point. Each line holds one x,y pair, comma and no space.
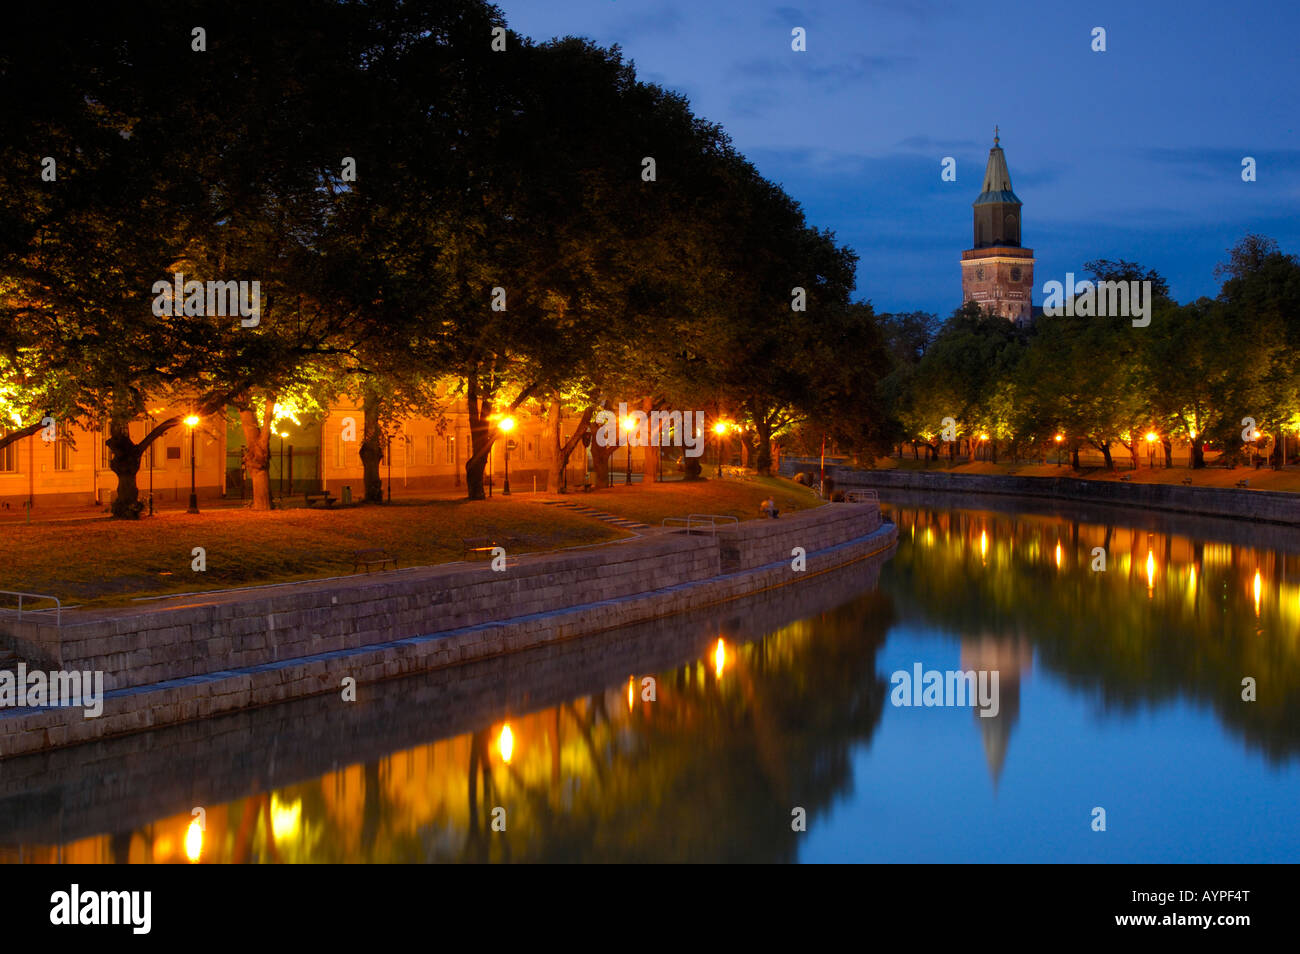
763,459
125,463
1104,446
1169,453
1198,454
257,450
124,460
1074,456
480,437
372,447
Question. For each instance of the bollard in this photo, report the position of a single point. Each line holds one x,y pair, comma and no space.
347,494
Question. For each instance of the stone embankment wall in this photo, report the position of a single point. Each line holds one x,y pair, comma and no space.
204,655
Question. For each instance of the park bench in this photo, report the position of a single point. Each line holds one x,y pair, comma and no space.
485,545
319,496
375,556
1125,476
586,487
1244,483
1187,481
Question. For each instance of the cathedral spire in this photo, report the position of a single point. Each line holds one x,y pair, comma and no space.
995,135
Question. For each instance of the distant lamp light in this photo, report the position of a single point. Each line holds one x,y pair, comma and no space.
192,421
1059,438
1151,437
506,425
720,428
506,743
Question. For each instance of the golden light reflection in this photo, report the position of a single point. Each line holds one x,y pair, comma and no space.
285,818
1259,587
719,658
984,544
194,840
506,743
1151,570
631,682
1058,554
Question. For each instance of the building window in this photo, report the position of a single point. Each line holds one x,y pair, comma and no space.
430,448
451,449
62,448
8,455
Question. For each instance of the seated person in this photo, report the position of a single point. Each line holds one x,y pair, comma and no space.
768,507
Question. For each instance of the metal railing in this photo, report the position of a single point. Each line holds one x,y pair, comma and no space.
58,607
700,522
862,496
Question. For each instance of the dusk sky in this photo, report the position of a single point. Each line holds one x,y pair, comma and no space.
1132,153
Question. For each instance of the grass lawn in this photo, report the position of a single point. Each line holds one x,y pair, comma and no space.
97,561
103,561
651,502
1262,479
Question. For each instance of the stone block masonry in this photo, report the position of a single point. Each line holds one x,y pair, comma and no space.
192,657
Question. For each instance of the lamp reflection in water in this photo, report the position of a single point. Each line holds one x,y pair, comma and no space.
1058,554
194,840
631,681
984,545
719,658
1151,573
1259,588
506,743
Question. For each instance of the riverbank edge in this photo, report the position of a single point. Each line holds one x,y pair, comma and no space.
1266,506
171,702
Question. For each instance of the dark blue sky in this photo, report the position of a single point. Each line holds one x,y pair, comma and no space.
1131,153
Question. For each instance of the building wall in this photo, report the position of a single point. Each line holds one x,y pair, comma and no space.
1000,279
75,472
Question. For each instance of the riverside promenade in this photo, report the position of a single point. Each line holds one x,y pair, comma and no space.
194,657
1236,503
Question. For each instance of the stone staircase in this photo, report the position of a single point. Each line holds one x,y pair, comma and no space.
598,514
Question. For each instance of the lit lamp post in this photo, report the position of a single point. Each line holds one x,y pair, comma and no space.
720,429
283,435
192,422
1151,450
506,425
983,438
629,423
1059,438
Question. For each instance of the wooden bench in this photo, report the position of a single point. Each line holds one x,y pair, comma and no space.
586,487
313,497
372,557
1244,483
1125,476
1187,481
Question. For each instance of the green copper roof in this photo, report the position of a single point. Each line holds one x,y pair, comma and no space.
997,180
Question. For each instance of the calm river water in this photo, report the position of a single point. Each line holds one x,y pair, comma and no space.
1118,689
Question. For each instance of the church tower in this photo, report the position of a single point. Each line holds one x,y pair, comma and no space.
997,272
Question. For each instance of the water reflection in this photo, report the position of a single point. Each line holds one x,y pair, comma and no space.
1122,643
1137,615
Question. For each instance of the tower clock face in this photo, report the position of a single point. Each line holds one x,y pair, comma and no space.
1015,273
979,274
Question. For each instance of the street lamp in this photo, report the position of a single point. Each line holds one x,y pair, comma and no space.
720,429
283,435
506,425
1151,450
629,423
983,438
1059,438
192,422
